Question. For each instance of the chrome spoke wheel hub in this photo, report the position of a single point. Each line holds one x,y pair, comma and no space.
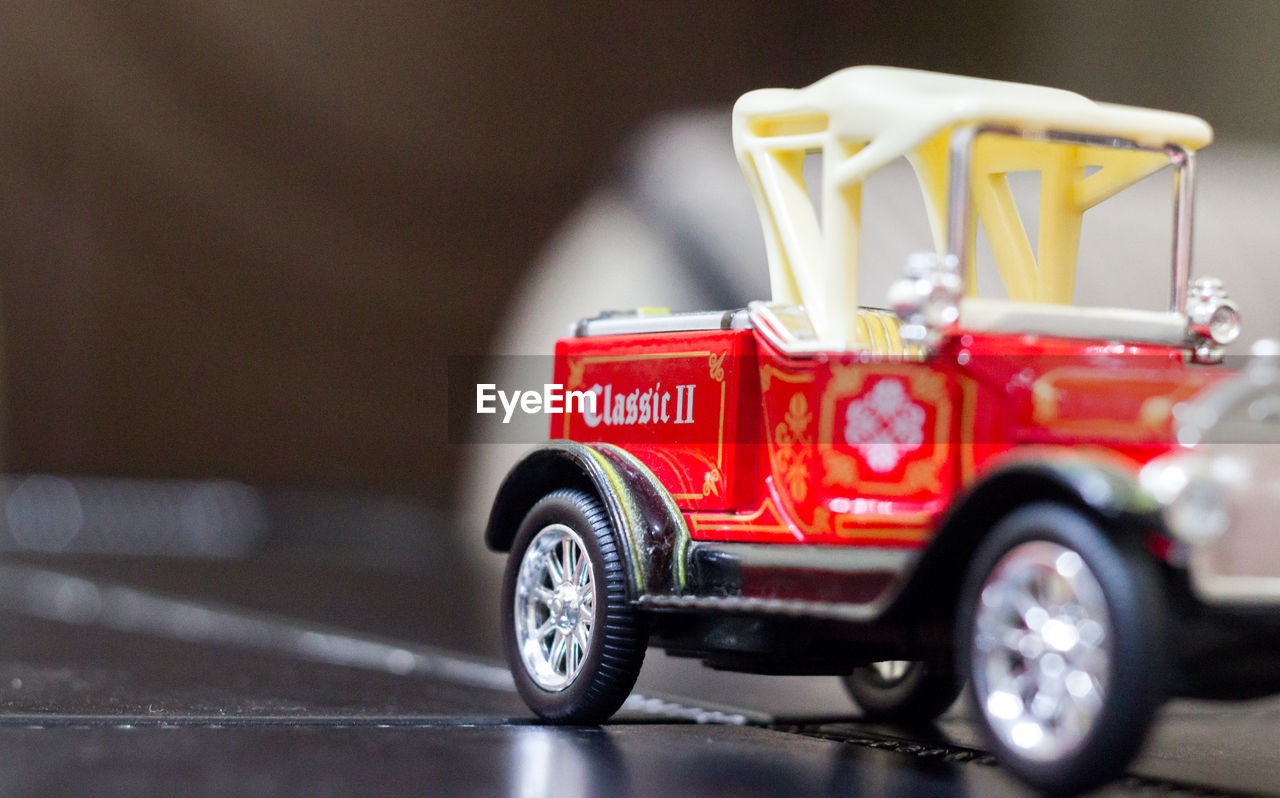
554,607
892,671
1041,650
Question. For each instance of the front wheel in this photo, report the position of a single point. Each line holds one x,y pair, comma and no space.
572,640
1060,635
903,691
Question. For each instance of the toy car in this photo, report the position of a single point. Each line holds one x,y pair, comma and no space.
988,484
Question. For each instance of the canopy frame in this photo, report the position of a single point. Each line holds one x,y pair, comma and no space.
962,137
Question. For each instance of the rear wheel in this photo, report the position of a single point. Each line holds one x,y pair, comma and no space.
903,691
572,641
1060,634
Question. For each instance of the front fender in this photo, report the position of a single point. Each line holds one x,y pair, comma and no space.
1103,488
651,530
1107,492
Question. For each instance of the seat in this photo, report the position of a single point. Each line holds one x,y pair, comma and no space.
878,333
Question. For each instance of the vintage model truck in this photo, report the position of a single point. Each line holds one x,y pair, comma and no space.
987,483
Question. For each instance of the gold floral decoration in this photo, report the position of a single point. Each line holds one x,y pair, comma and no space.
792,439
716,363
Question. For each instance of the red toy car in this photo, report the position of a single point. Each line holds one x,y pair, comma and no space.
988,484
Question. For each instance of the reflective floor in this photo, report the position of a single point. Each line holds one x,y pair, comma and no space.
293,676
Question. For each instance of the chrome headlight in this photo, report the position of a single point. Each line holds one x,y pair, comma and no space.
1214,318
1224,323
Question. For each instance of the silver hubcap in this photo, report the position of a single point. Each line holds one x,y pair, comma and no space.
555,607
892,671
1041,650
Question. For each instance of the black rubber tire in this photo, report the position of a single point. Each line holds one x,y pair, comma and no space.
926,691
619,635
1134,601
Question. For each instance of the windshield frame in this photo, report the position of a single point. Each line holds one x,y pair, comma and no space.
959,200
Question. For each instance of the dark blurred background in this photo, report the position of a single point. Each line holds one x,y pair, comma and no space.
239,239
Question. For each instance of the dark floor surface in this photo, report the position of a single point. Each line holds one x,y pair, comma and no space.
273,675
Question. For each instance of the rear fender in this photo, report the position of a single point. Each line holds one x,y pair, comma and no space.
651,531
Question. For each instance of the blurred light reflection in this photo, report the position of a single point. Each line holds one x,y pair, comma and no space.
130,516
566,763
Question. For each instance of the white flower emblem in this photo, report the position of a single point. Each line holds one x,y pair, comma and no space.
884,426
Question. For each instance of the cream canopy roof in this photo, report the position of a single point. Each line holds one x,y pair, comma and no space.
903,107
863,118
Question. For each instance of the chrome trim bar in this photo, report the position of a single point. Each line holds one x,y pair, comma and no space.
1183,206
632,323
763,319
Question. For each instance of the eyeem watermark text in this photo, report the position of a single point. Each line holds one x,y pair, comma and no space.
553,398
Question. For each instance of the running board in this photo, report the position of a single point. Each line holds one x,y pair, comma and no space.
749,605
